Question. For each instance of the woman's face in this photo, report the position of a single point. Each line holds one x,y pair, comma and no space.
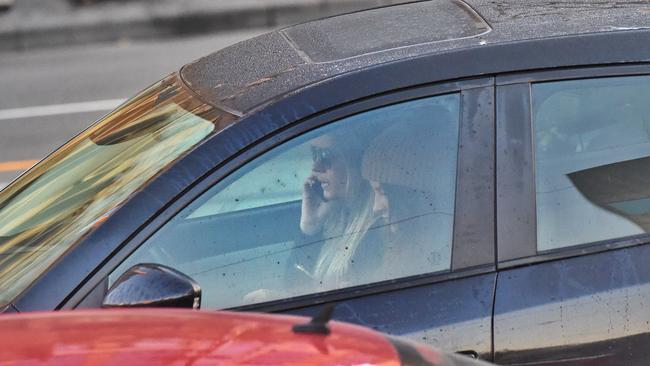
329,168
381,206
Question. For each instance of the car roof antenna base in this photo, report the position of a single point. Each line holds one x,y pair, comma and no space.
318,324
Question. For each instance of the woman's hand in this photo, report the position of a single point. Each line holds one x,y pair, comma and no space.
314,206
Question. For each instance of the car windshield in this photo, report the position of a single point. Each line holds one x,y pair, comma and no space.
51,207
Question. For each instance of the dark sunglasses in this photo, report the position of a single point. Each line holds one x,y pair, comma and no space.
322,156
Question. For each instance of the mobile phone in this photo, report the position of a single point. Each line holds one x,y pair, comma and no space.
318,189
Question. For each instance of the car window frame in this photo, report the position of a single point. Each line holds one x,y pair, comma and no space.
516,209
476,138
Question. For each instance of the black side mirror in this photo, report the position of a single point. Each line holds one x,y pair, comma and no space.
153,285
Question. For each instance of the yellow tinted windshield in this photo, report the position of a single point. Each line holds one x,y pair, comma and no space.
45,212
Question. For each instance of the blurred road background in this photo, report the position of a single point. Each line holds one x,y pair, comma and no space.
66,63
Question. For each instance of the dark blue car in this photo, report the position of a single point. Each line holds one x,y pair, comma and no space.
473,175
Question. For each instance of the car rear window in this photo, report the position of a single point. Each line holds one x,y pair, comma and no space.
592,154
385,28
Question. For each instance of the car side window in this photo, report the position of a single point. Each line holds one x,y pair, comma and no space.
592,159
361,200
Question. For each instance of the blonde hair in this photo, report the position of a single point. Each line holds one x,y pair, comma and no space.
344,229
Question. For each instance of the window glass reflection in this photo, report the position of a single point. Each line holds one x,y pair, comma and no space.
365,199
592,143
48,210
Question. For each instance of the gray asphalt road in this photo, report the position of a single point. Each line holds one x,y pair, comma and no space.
42,91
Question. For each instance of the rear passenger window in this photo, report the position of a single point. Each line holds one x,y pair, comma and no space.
592,160
365,199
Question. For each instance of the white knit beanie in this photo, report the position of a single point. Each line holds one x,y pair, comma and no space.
405,154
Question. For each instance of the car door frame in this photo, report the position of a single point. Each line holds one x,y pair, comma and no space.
516,206
518,257
474,213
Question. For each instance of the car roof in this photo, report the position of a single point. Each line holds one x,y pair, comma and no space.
167,336
252,73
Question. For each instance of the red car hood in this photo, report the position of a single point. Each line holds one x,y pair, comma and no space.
180,337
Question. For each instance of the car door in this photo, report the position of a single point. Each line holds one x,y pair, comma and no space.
419,264
450,310
572,217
